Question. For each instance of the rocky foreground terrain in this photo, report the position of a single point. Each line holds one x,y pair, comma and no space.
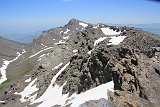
82,65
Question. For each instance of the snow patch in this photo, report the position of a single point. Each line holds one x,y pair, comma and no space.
43,45
28,80
26,93
33,97
65,37
89,52
74,51
60,42
66,31
108,31
60,71
83,24
61,32
95,27
40,51
47,53
92,94
53,95
41,55
116,40
3,71
24,51
56,67
5,65
95,43
99,40
2,101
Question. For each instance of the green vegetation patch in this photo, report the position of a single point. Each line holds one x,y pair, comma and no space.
11,79
5,84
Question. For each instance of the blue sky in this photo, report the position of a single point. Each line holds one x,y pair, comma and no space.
32,15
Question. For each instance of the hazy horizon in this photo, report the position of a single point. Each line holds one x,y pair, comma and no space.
22,16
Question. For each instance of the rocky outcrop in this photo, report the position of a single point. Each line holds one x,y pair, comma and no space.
136,80
100,103
134,69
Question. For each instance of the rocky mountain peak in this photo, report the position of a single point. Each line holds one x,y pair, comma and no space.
73,21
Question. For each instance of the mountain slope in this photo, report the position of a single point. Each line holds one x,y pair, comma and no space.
10,51
87,65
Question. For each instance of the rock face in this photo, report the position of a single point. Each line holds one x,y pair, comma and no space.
135,74
79,57
135,81
133,66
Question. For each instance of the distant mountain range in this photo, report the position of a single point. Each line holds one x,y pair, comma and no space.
152,27
22,37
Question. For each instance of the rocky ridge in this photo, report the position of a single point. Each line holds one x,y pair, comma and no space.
80,57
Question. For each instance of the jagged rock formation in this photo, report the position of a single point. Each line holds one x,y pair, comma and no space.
68,64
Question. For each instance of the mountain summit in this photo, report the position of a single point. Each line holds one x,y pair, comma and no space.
83,65
73,21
